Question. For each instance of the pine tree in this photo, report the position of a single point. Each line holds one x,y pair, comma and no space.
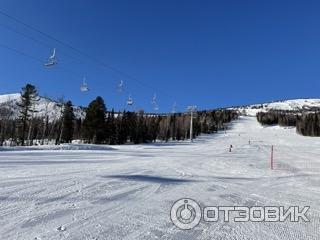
68,123
111,128
29,96
121,128
6,114
94,130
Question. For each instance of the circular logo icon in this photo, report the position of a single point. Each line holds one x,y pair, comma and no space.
185,213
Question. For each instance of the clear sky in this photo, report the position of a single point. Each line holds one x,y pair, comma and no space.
204,53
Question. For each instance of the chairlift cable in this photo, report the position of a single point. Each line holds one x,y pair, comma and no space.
97,61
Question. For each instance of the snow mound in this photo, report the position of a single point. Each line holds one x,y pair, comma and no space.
62,147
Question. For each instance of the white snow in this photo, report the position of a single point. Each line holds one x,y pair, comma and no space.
62,147
43,107
8,97
288,105
51,108
126,192
295,104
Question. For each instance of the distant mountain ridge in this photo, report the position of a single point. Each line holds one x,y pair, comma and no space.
294,105
43,107
52,109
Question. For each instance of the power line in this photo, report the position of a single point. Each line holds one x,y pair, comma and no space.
97,61
39,42
21,53
25,35
41,61
34,58
32,38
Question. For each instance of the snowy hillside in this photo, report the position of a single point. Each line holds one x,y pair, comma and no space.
51,108
287,105
44,107
126,193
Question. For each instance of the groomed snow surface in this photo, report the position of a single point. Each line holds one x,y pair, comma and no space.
126,192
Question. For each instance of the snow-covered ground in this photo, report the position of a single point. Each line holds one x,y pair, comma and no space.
126,192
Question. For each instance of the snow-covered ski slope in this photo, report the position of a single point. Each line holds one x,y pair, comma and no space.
126,192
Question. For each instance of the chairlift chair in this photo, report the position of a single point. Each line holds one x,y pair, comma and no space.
84,86
51,60
129,101
120,86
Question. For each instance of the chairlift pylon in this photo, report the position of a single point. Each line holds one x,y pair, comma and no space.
154,99
174,108
154,103
51,60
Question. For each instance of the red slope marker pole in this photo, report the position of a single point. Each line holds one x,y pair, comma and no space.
271,158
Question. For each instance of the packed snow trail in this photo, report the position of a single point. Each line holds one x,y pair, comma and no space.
126,192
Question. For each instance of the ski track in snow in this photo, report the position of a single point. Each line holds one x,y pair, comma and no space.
126,192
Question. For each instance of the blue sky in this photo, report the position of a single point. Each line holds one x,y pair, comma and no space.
205,53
